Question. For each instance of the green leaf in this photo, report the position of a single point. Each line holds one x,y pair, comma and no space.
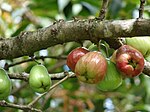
47,8
68,11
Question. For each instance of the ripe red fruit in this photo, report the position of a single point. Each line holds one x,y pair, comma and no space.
129,61
74,56
91,68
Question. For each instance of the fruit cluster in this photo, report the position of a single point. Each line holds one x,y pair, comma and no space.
92,67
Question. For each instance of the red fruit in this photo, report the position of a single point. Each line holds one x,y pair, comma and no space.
74,56
129,61
91,68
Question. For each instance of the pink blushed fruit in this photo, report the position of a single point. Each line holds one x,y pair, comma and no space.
91,68
129,61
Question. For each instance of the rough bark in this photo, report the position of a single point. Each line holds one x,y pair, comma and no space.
76,30
147,68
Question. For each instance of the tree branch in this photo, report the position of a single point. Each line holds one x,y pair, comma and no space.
47,97
141,9
25,76
103,9
21,76
31,59
146,70
22,107
28,42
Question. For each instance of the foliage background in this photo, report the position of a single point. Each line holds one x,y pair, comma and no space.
71,96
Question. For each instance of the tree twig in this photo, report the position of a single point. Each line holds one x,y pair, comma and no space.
36,58
103,10
21,76
25,76
141,9
22,107
52,87
47,97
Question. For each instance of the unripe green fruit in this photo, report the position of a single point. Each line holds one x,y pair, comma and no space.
142,44
112,79
5,84
39,79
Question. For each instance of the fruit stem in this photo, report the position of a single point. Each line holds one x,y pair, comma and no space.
99,45
33,58
122,41
106,50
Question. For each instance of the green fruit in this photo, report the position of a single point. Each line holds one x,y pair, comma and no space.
39,79
142,44
112,79
5,84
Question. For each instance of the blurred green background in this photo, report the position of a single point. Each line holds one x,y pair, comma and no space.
71,96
